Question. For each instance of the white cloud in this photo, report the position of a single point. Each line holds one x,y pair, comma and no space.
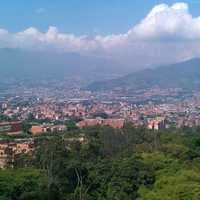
167,33
165,22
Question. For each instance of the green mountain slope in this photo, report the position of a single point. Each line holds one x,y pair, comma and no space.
180,75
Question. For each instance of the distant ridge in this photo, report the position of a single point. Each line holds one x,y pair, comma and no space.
17,63
180,75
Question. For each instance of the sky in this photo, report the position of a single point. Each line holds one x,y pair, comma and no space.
139,32
80,16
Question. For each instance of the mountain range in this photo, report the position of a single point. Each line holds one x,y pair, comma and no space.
24,64
184,75
17,63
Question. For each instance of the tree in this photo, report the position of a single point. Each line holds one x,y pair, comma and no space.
22,184
51,156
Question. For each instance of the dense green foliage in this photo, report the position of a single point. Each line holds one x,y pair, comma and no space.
22,184
100,163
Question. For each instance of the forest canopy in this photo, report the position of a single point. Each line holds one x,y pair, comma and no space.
108,164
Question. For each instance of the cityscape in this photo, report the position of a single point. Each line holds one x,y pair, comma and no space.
42,110
150,108
100,100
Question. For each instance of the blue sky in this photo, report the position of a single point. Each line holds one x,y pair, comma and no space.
143,32
79,16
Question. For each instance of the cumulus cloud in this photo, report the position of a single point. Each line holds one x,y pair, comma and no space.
167,33
165,22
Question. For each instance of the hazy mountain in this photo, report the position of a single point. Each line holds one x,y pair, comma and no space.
22,64
184,75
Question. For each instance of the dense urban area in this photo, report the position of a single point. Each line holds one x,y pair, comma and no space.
52,108
69,143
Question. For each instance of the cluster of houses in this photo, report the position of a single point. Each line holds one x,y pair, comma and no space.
114,123
156,124
46,128
10,149
11,128
14,128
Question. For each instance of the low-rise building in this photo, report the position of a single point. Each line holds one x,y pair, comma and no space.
35,129
11,128
114,123
156,124
9,149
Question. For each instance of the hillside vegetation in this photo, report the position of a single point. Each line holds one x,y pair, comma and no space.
127,164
